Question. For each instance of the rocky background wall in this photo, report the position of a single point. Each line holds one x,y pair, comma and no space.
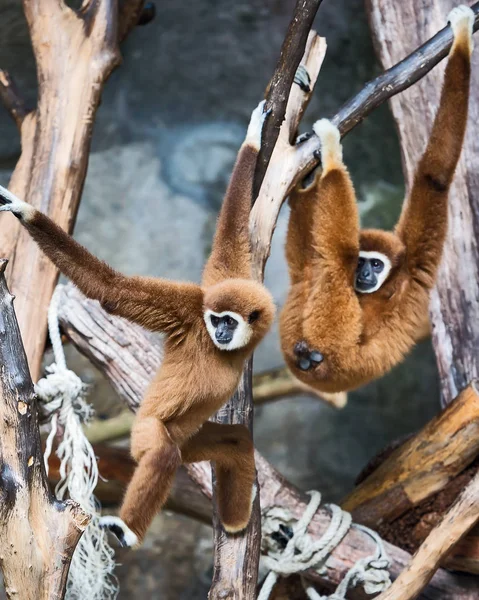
166,136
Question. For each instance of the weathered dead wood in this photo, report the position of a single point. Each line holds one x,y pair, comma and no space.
438,544
455,301
116,467
236,558
122,352
38,534
421,466
289,164
279,88
72,67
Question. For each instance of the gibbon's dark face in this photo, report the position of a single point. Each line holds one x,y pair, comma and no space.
237,313
225,327
371,272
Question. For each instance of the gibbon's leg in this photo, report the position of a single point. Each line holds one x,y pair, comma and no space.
423,222
154,303
158,458
231,448
332,311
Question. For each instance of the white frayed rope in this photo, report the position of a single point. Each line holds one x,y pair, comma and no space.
62,394
303,552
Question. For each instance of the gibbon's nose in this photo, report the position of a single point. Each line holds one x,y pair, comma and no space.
223,333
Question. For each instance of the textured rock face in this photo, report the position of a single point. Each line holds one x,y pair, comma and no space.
166,136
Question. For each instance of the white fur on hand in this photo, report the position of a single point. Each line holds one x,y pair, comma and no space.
119,529
461,16
255,127
9,202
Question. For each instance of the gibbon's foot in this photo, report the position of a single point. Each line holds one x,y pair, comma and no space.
302,79
255,127
461,17
331,149
235,517
120,530
10,203
307,359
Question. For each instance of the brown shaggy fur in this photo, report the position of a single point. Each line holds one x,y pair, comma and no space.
196,378
362,336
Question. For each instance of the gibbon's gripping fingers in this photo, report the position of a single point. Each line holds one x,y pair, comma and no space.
232,449
331,149
10,203
461,18
302,79
120,530
255,127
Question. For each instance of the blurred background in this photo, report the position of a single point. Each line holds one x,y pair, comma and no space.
165,139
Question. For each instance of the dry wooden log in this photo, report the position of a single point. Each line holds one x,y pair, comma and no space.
38,534
123,352
116,467
438,544
455,301
72,67
422,466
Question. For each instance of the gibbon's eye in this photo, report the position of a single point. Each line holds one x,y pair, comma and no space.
360,263
215,321
254,316
230,321
377,264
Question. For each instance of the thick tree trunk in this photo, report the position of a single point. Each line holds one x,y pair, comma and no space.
38,534
75,52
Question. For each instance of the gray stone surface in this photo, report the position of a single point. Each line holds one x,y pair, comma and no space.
165,139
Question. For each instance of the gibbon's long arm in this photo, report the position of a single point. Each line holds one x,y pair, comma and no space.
230,256
157,304
423,223
299,240
335,236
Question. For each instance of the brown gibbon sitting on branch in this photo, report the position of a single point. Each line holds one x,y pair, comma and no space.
211,329
358,299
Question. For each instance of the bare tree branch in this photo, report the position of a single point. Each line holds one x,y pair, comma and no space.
292,164
281,83
38,534
11,99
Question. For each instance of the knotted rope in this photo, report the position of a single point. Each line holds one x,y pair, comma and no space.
302,552
63,400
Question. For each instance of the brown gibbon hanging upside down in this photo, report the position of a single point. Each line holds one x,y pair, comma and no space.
210,332
358,299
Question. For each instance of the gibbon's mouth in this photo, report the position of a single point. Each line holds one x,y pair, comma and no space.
365,284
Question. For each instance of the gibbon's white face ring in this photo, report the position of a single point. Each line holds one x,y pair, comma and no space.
242,333
381,277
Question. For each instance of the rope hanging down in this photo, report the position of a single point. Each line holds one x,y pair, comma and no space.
63,399
302,552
